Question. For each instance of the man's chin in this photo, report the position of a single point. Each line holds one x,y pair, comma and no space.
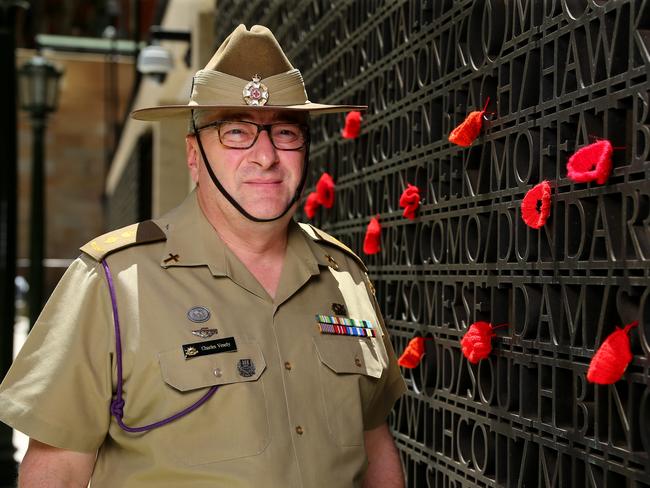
267,210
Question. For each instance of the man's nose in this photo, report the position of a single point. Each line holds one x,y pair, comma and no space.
264,153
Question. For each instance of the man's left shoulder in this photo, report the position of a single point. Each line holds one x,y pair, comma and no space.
323,238
131,235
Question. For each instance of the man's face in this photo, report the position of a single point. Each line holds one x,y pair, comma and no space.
262,179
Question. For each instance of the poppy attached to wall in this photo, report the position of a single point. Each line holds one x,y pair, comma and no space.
410,201
536,205
325,190
612,358
352,127
464,134
413,353
476,344
311,205
591,163
372,240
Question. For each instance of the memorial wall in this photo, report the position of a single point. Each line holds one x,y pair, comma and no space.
554,76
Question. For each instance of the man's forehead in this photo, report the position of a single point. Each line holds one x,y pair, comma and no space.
253,115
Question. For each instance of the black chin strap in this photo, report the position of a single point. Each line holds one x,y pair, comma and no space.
233,202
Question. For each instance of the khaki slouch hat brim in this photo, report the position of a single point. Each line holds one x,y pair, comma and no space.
249,70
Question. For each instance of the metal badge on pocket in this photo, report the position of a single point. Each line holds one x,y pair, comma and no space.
198,314
204,332
246,368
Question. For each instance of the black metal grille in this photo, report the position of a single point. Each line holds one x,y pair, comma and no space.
558,74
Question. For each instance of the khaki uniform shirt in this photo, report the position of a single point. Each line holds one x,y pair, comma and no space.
294,417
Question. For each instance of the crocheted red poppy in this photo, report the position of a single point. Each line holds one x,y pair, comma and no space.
372,240
536,205
325,190
410,201
611,359
476,344
469,129
591,163
352,126
413,353
311,205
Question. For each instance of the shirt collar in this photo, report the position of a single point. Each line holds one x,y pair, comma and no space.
192,241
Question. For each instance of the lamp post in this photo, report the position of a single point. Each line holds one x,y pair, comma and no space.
38,81
8,218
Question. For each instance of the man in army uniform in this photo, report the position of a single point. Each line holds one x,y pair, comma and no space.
221,345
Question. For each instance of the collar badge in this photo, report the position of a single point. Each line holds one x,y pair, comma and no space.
255,92
332,262
339,309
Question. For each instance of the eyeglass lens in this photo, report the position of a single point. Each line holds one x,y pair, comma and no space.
242,135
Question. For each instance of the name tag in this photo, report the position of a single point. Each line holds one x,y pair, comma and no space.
227,344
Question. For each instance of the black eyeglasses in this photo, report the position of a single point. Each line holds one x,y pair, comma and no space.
243,135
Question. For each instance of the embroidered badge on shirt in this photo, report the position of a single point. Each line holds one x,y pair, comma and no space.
328,324
204,332
209,347
198,314
246,367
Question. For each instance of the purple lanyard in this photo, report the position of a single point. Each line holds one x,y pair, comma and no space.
117,404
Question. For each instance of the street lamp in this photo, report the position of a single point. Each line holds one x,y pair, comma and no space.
156,60
38,88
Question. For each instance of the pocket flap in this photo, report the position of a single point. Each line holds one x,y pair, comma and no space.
245,364
356,355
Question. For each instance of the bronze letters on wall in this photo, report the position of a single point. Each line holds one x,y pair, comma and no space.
559,74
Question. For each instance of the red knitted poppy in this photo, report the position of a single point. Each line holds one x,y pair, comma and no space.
325,190
311,205
470,128
476,344
591,163
413,353
536,205
611,359
410,201
352,125
372,241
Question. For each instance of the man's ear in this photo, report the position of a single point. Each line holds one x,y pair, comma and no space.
193,157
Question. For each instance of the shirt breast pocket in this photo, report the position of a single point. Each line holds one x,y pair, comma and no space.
349,370
233,423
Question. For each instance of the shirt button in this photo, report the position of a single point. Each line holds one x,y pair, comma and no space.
299,430
287,365
217,372
357,361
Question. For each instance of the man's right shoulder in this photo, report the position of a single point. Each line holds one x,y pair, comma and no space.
116,240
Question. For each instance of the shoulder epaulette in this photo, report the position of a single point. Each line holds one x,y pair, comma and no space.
323,237
132,235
